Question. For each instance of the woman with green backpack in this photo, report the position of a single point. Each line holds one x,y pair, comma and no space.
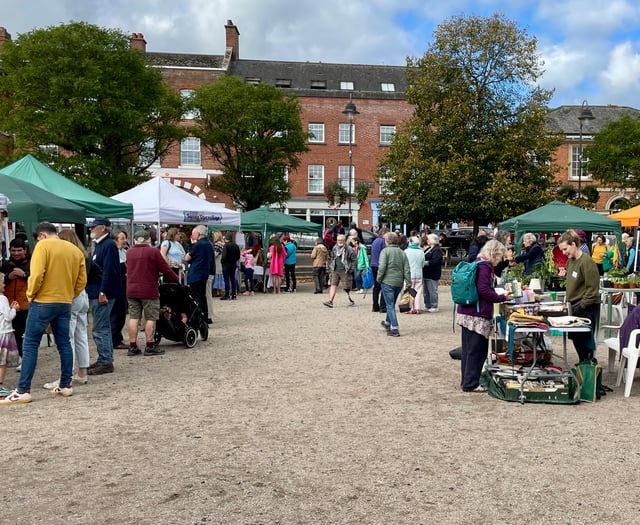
476,319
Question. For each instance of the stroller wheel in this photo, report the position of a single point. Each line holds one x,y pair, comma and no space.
190,337
157,338
204,330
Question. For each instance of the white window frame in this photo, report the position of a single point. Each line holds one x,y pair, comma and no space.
315,178
148,146
346,85
386,134
388,87
343,177
316,132
574,164
343,133
186,94
190,155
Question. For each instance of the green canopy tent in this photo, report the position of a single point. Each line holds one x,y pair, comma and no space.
30,205
559,217
266,220
31,170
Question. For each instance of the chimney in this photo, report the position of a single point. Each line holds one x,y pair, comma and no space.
138,42
4,35
233,39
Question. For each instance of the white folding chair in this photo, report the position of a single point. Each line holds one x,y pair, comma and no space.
630,355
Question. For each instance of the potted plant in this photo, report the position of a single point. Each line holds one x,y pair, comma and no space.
336,194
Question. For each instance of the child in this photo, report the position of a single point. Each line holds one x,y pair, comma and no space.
249,264
8,345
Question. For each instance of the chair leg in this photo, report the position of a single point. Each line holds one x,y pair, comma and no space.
612,359
623,363
632,362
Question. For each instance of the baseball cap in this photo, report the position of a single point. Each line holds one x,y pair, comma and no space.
99,221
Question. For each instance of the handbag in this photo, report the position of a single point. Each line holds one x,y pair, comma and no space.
589,376
406,302
367,279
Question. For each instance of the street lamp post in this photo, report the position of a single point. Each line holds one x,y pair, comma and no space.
351,111
585,114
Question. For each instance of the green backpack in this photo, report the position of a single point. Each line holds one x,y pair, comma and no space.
464,289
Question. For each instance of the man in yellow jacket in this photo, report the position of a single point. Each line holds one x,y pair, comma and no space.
58,274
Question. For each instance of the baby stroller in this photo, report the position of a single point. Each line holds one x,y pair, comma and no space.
180,316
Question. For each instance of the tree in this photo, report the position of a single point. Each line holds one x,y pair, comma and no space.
83,92
614,155
255,133
476,148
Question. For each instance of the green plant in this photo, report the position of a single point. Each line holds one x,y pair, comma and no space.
361,192
336,194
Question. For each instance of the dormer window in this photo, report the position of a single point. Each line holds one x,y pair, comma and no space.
389,87
283,82
346,85
253,80
318,84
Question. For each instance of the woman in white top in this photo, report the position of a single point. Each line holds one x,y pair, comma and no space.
172,250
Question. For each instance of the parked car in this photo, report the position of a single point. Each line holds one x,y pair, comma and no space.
308,240
458,241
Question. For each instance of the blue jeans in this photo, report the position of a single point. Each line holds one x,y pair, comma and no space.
102,330
430,288
390,294
230,283
40,316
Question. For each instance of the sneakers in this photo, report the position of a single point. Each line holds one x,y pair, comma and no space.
133,350
432,310
385,325
80,380
479,389
351,302
4,392
328,304
64,391
52,385
153,350
98,370
15,398
393,332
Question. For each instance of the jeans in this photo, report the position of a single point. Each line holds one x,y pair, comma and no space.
430,293
102,330
78,330
40,316
290,276
390,294
230,282
248,280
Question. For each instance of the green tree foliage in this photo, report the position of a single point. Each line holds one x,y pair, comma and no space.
614,155
475,148
83,89
255,133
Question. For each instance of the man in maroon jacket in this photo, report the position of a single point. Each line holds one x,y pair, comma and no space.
144,264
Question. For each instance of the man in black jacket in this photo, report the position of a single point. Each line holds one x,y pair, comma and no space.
229,260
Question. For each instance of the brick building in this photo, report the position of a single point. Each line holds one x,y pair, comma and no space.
323,90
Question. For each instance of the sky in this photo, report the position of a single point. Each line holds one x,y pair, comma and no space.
590,48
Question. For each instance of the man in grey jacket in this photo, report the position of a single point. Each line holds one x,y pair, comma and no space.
394,272
341,265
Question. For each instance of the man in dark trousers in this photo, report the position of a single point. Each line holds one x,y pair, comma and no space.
102,295
144,264
229,260
201,261
376,248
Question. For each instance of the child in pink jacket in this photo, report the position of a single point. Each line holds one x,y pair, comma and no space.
249,263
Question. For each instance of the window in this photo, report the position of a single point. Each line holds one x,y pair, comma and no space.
316,132
316,178
346,86
574,173
187,95
318,84
388,86
343,177
190,152
50,150
343,134
147,153
253,80
386,134
383,181
283,82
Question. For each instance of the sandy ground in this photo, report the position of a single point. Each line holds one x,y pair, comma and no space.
295,413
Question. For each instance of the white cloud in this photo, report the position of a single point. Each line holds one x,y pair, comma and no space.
621,78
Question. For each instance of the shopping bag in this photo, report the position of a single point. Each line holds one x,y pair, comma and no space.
406,302
367,279
589,376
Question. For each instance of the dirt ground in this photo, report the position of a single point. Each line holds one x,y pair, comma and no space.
292,413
